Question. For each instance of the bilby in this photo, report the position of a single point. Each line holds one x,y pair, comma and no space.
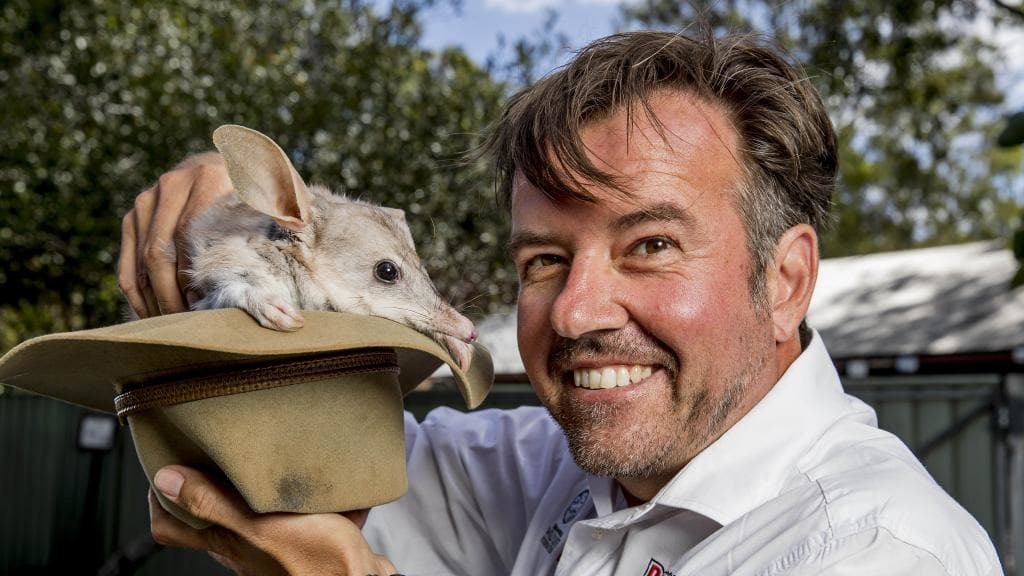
277,246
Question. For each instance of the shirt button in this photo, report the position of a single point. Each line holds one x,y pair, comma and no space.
597,534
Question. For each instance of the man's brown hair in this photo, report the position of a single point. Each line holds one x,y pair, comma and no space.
787,144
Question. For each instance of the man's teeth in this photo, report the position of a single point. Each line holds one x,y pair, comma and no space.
609,376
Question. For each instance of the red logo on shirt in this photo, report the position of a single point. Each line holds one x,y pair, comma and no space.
655,569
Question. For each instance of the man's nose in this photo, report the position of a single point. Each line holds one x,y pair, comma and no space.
589,300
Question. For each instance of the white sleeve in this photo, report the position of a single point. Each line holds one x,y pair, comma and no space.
875,551
474,483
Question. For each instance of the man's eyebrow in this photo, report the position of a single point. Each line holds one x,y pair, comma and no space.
663,212
519,240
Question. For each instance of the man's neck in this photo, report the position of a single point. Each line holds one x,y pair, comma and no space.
632,500
640,490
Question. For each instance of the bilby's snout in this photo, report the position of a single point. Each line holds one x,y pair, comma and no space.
456,333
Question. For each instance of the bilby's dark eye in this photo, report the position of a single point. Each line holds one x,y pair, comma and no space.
387,271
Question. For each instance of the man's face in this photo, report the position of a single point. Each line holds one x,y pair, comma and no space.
636,323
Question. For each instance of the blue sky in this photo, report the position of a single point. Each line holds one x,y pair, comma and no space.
479,23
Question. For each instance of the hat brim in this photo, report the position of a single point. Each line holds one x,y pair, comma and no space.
83,367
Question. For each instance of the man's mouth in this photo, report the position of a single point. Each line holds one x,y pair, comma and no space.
609,376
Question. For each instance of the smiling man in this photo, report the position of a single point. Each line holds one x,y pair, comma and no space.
638,329
666,195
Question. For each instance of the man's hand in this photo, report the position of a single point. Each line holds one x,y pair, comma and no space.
251,543
152,234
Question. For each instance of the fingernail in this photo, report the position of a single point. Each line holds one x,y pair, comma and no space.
169,482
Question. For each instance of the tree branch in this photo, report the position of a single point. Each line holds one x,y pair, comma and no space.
1017,11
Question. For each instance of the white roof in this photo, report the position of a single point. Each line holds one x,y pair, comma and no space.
498,334
940,300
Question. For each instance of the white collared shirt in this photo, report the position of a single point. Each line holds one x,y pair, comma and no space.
803,484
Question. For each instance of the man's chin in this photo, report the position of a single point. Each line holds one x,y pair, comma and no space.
615,463
610,450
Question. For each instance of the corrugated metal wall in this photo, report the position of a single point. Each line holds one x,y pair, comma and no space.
45,497
44,477
920,409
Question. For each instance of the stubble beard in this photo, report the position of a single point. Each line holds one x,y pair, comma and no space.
656,443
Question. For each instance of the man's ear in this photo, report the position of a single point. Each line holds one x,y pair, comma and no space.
791,280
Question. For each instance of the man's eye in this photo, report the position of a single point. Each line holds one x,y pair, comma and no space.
542,260
651,246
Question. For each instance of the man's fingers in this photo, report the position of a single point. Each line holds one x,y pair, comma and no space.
358,517
160,251
168,530
225,546
386,567
142,214
203,498
226,562
210,184
251,543
152,263
127,272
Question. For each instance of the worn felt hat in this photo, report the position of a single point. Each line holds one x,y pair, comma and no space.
304,421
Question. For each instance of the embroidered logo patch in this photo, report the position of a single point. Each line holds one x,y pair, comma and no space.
551,538
575,506
553,535
655,568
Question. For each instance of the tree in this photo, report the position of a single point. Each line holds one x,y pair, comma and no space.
1013,135
910,86
100,97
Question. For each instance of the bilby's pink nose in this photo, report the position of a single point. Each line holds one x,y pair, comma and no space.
460,350
465,330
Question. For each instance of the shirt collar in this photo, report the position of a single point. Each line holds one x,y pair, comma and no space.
753,460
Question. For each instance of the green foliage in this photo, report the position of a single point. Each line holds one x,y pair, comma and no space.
100,97
1013,134
911,90
519,62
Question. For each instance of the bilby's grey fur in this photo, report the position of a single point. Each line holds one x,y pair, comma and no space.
278,246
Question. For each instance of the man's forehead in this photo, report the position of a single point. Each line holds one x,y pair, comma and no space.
617,212
539,220
675,135
674,125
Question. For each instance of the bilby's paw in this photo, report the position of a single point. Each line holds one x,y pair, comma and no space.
273,312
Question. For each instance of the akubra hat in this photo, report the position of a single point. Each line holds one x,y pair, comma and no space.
304,421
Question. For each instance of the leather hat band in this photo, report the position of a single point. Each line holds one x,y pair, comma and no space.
168,390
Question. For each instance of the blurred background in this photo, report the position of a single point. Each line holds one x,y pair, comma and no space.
380,99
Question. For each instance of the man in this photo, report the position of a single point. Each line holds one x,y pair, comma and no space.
666,196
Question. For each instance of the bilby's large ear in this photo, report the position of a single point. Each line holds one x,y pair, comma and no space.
399,217
397,213
791,280
263,176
